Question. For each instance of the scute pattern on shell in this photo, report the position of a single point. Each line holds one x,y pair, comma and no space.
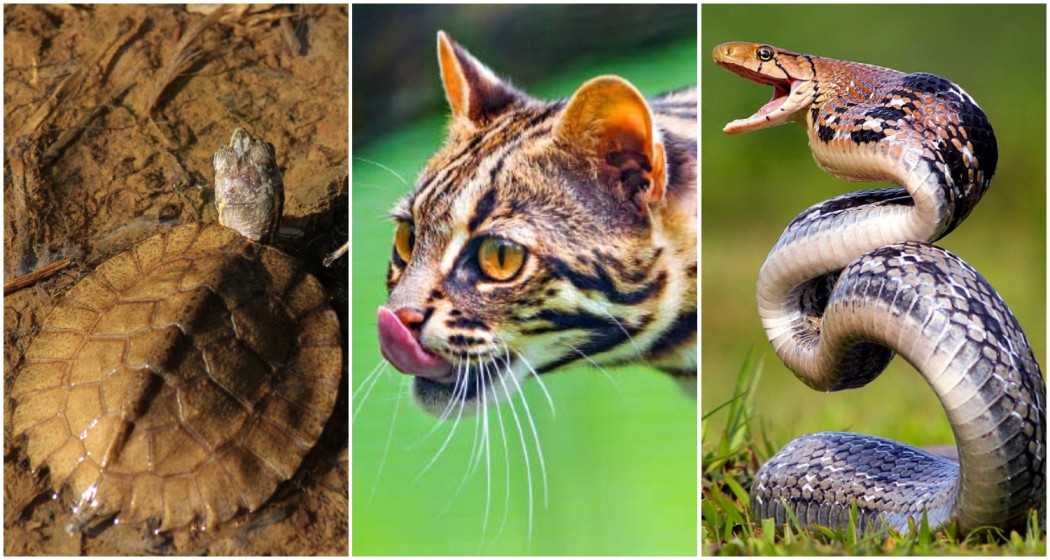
181,381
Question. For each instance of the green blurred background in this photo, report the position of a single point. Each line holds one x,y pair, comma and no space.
620,452
754,184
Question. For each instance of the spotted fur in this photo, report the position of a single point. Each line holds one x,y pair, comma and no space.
610,275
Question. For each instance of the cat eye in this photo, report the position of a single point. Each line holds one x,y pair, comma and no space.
500,259
404,240
765,54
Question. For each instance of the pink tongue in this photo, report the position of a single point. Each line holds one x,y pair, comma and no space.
771,105
402,349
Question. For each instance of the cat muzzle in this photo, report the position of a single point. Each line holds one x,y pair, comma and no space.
401,348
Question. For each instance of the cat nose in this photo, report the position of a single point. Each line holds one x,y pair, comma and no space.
411,318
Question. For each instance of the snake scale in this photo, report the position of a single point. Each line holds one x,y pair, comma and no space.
855,279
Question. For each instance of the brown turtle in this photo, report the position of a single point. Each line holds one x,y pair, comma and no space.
185,378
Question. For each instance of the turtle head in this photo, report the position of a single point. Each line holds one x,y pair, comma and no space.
249,193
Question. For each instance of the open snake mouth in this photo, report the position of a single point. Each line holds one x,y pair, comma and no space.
774,112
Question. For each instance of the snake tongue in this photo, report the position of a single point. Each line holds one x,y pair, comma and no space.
400,347
772,113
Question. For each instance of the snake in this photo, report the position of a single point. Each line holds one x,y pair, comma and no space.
855,280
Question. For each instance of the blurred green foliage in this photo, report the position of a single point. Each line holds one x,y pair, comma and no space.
620,451
531,39
754,184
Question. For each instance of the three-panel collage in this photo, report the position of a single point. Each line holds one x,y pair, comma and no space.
458,280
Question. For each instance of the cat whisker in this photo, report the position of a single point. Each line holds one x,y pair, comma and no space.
524,449
389,439
448,408
451,432
543,386
532,424
595,364
472,462
506,460
630,338
371,380
372,375
456,388
475,455
535,438
384,168
488,452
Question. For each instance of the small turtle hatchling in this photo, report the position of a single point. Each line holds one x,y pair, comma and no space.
184,379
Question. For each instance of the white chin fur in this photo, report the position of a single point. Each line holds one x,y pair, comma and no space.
503,386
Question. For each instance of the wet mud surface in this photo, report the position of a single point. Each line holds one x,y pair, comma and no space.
112,114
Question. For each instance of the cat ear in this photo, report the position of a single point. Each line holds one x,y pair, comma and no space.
473,91
610,120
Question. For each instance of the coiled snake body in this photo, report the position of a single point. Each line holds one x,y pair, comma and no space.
853,280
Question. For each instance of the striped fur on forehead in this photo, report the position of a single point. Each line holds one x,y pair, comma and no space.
512,172
466,152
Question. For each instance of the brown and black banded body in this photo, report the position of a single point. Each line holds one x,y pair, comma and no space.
894,123
855,280
600,190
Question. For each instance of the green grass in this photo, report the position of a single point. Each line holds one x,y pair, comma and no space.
732,456
620,451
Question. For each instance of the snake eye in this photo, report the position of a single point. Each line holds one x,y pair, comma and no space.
764,53
404,240
500,259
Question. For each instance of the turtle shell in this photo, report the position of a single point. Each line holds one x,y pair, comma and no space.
181,381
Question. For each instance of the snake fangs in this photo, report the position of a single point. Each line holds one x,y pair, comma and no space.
854,279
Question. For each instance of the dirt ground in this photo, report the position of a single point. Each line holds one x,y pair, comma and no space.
111,117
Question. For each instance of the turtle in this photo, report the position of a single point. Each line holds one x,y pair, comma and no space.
182,380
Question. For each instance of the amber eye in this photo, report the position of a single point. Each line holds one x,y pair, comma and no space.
765,54
500,259
404,240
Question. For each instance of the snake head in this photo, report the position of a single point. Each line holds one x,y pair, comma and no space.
788,73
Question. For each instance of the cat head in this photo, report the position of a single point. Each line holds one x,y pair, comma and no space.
527,242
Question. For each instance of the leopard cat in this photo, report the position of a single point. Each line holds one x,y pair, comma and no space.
544,234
